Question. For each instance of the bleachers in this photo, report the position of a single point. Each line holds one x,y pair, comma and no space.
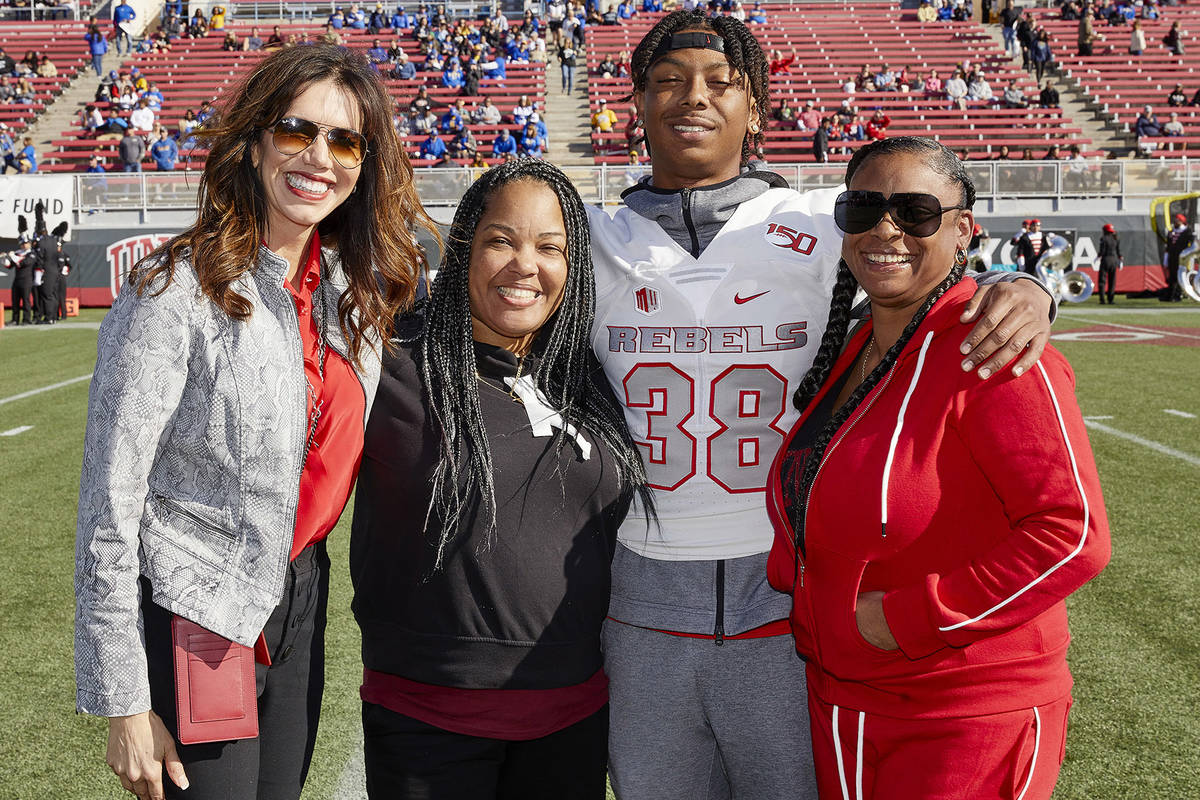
833,42
195,70
1121,84
62,41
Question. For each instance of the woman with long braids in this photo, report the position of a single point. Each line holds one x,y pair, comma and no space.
929,526
496,471
225,426
713,284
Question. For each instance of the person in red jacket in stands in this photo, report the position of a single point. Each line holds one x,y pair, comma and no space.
930,525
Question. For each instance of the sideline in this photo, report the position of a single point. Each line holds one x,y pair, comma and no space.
33,392
1159,331
1092,422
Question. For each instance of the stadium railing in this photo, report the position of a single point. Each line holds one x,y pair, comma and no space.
1059,183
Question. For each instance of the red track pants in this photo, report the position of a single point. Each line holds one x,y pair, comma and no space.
1010,756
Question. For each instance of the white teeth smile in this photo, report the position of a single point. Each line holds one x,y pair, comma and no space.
306,185
888,258
514,293
689,128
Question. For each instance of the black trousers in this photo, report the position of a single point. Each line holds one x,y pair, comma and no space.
47,299
407,759
275,765
1107,280
22,298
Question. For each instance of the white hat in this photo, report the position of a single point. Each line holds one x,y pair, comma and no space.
602,101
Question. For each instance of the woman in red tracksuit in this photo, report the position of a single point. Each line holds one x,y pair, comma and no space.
929,524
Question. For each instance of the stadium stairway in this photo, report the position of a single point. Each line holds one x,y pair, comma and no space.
63,113
1075,106
568,116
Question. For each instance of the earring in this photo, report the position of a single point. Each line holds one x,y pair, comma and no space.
960,257
754,129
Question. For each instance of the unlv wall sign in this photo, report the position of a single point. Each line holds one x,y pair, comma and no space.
124,254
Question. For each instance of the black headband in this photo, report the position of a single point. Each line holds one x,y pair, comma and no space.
682,41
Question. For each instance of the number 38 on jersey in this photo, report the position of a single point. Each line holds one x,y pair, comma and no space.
745,404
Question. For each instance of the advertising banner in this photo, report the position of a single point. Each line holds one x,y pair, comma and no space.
20,194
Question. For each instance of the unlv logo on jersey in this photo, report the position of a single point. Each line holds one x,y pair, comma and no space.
647,300
790,238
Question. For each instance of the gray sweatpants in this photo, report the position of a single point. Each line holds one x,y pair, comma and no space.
690,720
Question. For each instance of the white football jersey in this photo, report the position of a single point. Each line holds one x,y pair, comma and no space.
705,354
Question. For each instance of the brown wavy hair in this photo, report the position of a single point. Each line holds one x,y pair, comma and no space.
372,229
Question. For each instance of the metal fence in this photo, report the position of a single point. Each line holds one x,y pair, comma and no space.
1057,181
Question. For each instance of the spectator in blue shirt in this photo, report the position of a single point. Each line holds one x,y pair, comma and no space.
378,20
504,144
377,53
28,156
757,14
432,148
337,19
531,144
123,13
452,77
651,5
625,10
153,97
97,47
7,151
355,18
451,120
496,68
164,152
94,166
402,20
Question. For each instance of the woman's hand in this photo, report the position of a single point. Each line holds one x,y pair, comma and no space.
1013,319
871,622
139,746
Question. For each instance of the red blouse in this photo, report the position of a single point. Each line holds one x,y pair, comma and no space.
333,459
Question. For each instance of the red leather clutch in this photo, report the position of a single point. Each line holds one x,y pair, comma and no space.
215,697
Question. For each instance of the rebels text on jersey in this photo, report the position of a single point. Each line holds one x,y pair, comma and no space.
705,353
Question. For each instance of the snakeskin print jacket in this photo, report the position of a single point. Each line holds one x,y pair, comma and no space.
191,466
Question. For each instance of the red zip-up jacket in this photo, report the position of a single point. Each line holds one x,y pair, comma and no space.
974,505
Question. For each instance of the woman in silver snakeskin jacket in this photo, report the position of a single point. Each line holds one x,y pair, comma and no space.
225,420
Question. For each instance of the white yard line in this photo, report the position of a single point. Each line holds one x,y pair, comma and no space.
1160,331
1179,413
1087,419
1131,437
16,431
33,392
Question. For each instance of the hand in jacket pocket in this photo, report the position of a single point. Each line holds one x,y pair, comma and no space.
872,624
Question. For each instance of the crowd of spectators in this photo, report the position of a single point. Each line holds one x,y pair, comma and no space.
16,153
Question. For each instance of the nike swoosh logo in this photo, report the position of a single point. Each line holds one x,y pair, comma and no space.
739,299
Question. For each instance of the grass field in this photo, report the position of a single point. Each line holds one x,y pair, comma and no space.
1135,727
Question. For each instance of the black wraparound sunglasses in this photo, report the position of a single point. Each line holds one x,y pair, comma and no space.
915,213
292,135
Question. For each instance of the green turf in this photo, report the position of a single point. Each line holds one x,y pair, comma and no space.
1134,729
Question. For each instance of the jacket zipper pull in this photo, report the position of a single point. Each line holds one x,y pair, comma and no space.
801,576
719,628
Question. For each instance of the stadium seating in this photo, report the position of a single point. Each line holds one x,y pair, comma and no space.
1121,84
62,42
195,70
832,42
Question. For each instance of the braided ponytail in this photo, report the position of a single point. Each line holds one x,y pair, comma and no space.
831,345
